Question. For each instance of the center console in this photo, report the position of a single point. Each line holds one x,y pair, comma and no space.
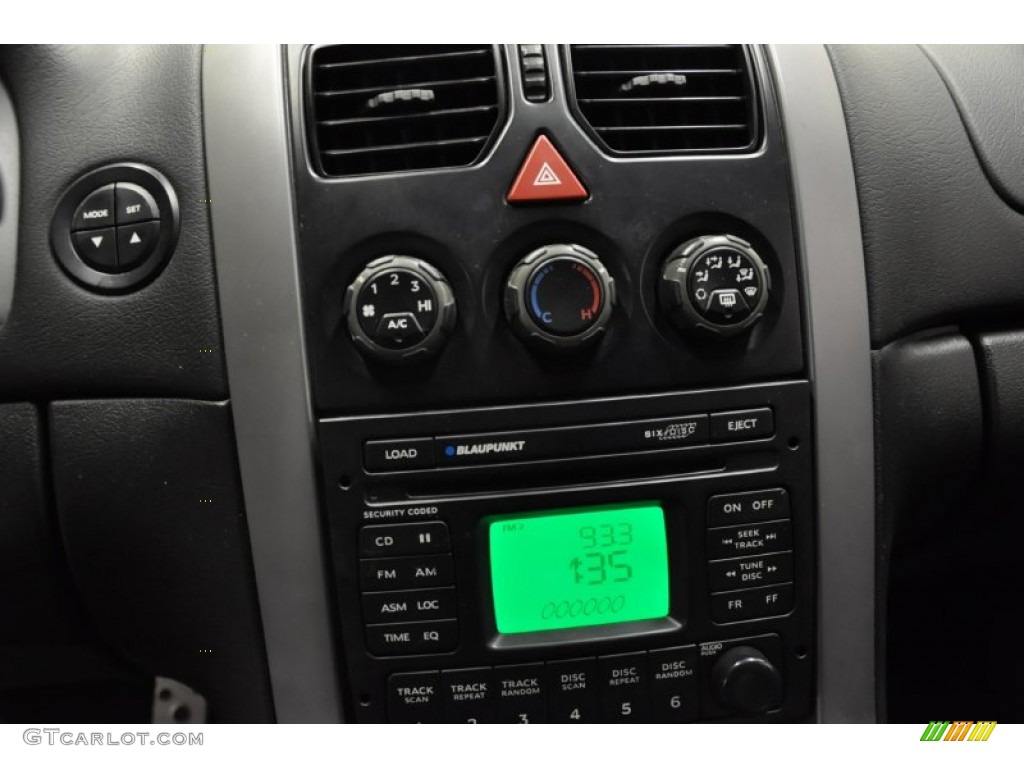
553,321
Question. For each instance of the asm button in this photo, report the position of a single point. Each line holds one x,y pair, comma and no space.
412,605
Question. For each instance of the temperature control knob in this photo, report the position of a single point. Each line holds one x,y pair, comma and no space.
745,682
399,309
559,297
717,283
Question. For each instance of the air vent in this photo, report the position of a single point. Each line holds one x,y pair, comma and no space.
385,108
666,99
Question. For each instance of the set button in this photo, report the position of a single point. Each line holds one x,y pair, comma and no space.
116,227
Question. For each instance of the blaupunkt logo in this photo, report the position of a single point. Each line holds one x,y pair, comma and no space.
959,730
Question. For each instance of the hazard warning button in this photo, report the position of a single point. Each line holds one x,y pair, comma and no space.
545,176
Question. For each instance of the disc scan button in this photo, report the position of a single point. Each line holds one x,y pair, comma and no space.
392,455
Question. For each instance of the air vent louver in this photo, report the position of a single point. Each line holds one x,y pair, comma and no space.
666,99
384,108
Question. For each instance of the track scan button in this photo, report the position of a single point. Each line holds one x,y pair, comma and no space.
413,698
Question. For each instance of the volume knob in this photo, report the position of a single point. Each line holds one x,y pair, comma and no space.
745,682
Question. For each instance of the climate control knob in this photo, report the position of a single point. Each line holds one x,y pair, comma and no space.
718,283
745,682
559,297
399,309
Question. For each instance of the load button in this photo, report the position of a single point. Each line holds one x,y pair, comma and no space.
733,426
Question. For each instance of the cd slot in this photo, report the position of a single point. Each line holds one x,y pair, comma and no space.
566,475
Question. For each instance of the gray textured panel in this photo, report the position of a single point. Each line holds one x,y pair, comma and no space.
254,234
9,189
829,229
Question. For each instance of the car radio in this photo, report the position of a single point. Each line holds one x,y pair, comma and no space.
621,559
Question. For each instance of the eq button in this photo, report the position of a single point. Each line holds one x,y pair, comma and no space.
417,637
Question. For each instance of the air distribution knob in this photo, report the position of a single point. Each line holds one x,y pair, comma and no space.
717,283
399,309
745,682
559,297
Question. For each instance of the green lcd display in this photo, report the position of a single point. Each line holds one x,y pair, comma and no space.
579,567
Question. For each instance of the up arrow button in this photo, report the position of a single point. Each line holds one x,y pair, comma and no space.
545,176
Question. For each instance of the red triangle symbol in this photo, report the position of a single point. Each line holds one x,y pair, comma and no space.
545,176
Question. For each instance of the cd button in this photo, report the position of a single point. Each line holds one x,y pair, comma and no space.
403,539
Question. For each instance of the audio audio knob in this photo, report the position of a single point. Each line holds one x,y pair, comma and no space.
559,297
745,682
399,309
718,283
